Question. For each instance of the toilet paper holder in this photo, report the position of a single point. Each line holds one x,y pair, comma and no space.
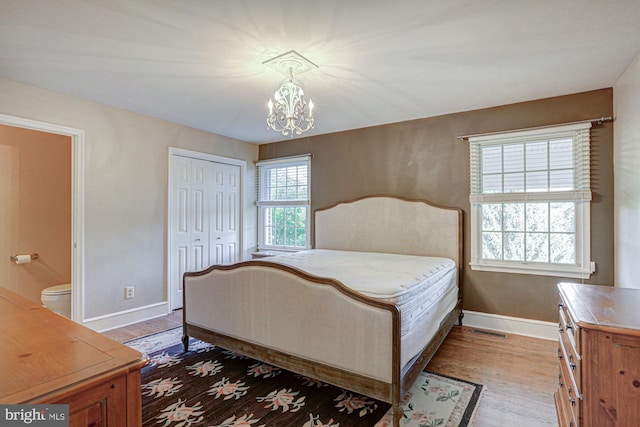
18,258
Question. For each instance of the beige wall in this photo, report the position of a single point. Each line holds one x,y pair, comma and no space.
126,184
36,199
424,159
627,175
126,160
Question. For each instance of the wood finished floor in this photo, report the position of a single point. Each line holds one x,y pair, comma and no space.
519,373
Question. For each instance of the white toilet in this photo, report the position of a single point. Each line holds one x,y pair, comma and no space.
58,299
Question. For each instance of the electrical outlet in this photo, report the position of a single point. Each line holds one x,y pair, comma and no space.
128,292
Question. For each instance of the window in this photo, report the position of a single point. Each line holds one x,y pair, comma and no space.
283,203
530,202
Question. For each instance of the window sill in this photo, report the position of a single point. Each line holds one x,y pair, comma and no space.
267,252
536,269
263,254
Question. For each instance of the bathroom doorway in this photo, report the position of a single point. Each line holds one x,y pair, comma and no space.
39,207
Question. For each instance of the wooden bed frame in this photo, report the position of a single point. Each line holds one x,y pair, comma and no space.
257,309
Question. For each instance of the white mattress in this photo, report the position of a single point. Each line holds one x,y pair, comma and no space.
414,283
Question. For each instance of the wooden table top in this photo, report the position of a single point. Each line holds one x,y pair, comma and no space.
603,307
43,353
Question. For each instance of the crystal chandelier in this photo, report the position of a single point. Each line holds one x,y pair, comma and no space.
289,112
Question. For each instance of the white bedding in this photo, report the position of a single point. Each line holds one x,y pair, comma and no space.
390,277
423,288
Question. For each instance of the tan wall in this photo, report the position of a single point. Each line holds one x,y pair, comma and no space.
36,183
424,159
125,189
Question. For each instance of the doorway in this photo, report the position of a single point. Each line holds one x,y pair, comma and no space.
205,215
76,211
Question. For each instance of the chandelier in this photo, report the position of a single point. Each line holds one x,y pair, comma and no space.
289,112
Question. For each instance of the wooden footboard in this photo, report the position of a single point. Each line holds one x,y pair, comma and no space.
344,338
255,308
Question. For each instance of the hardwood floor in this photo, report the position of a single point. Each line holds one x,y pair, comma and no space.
519,373
145,328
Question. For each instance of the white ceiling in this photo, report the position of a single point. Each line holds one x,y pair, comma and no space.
199,62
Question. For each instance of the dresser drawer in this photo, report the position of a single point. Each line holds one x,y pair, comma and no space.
569,327
570,396
568,351
565,416
571,359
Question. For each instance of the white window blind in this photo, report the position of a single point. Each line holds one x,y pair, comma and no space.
284,203
530,201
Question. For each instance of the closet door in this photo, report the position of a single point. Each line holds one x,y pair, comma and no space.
204,219
189,226
225,226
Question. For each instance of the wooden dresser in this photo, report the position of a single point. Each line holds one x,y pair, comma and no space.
599,354
47,358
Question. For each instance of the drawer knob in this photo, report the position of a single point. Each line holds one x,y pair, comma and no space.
573,402
573,366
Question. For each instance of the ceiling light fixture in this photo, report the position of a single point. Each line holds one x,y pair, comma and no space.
289,112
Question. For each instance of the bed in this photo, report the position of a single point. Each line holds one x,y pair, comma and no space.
334,313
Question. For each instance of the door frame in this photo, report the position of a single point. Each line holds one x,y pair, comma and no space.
175,152
77,203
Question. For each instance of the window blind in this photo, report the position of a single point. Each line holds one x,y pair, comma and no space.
555,162
283,180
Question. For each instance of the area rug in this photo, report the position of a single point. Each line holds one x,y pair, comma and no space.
213,387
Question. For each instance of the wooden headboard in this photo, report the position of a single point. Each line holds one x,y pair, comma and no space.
391,225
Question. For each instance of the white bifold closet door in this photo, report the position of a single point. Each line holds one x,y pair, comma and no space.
204,220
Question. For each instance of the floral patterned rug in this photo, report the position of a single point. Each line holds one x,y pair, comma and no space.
210,386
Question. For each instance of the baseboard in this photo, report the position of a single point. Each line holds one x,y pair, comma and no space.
127,317
487,321
511,325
